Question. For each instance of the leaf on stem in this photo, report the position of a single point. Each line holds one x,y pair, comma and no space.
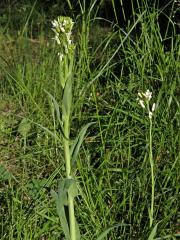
72,187
61,200
56,106
66,187
67,98
78,235
78,142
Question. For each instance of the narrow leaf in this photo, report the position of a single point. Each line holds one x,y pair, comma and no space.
47,130
104,234
78,142
61,201
67,98
153,233
78,235
62,76
56,106
64,222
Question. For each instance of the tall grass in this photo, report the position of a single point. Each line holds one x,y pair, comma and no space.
113,170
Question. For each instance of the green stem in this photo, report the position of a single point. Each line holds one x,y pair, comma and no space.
66,148
72,221
68,175
152,174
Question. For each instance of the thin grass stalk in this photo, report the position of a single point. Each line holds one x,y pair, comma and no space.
152,174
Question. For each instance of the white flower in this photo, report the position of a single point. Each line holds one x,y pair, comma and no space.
65,22
147,95
143,99
141,102
57,40
140,95
150,114
60,56
66,49
62,29
55,23
153,107
69,41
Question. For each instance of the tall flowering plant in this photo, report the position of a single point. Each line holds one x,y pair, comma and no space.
67,191
144,101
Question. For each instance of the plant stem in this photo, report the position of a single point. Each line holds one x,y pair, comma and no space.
66,147
68,175
152,174
72,218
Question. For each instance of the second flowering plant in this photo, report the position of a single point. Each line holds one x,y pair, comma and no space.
144,101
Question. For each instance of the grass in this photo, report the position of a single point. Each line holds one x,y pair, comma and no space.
113,171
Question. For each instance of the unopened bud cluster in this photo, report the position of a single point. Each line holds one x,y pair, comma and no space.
63,32
144,99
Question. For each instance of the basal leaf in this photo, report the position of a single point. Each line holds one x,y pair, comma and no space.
4,174
61,201
24,127
78,235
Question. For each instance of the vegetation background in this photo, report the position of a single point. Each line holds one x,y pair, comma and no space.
117,56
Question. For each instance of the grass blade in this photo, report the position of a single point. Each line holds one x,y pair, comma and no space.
153,233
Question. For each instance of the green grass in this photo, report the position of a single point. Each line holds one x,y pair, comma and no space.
113,171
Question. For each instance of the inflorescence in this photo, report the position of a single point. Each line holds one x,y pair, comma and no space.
63,32
144,99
